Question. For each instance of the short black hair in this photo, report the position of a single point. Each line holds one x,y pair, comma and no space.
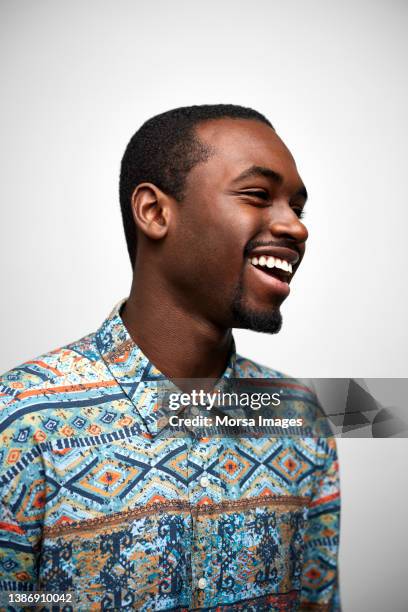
164,150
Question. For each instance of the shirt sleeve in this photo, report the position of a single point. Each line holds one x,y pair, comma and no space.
22,501
320,584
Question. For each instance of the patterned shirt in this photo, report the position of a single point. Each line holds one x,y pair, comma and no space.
95,501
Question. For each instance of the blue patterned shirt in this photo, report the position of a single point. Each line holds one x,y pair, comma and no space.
94,500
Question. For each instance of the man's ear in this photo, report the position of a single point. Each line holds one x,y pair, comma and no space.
151,210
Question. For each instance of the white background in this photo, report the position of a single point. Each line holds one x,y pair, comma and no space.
78,78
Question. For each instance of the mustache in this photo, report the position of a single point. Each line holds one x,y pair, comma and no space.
253,244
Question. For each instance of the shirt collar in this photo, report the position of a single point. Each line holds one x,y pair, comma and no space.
133,371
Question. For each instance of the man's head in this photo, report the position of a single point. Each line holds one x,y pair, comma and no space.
211,203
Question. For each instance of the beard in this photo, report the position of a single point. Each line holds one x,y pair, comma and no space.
267,322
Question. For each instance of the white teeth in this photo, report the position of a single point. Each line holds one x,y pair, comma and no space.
271,262
282,265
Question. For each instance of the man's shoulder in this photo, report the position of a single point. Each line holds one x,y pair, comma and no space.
298,398
295,388
39,380
35,395
246,368
51,366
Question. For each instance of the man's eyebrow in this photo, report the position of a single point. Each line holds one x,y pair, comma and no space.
254,171
259,171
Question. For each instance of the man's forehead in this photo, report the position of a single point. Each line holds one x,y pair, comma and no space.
238,144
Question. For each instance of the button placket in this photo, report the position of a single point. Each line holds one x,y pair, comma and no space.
204,485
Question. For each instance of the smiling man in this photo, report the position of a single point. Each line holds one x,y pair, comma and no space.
98,497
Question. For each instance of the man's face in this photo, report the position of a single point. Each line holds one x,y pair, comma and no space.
237,238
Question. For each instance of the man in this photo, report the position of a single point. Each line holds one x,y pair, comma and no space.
98,497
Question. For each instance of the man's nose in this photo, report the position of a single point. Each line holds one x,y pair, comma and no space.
285,223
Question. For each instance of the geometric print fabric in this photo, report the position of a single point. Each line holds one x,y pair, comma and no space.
98,500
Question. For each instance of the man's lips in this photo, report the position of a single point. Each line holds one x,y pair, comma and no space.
273,267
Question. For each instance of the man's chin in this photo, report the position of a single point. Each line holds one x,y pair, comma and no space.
266,322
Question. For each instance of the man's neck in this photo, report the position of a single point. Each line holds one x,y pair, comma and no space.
178,343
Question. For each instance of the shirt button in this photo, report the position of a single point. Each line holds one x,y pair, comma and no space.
202,583
204,481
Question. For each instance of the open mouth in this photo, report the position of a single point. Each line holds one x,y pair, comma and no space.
281,269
